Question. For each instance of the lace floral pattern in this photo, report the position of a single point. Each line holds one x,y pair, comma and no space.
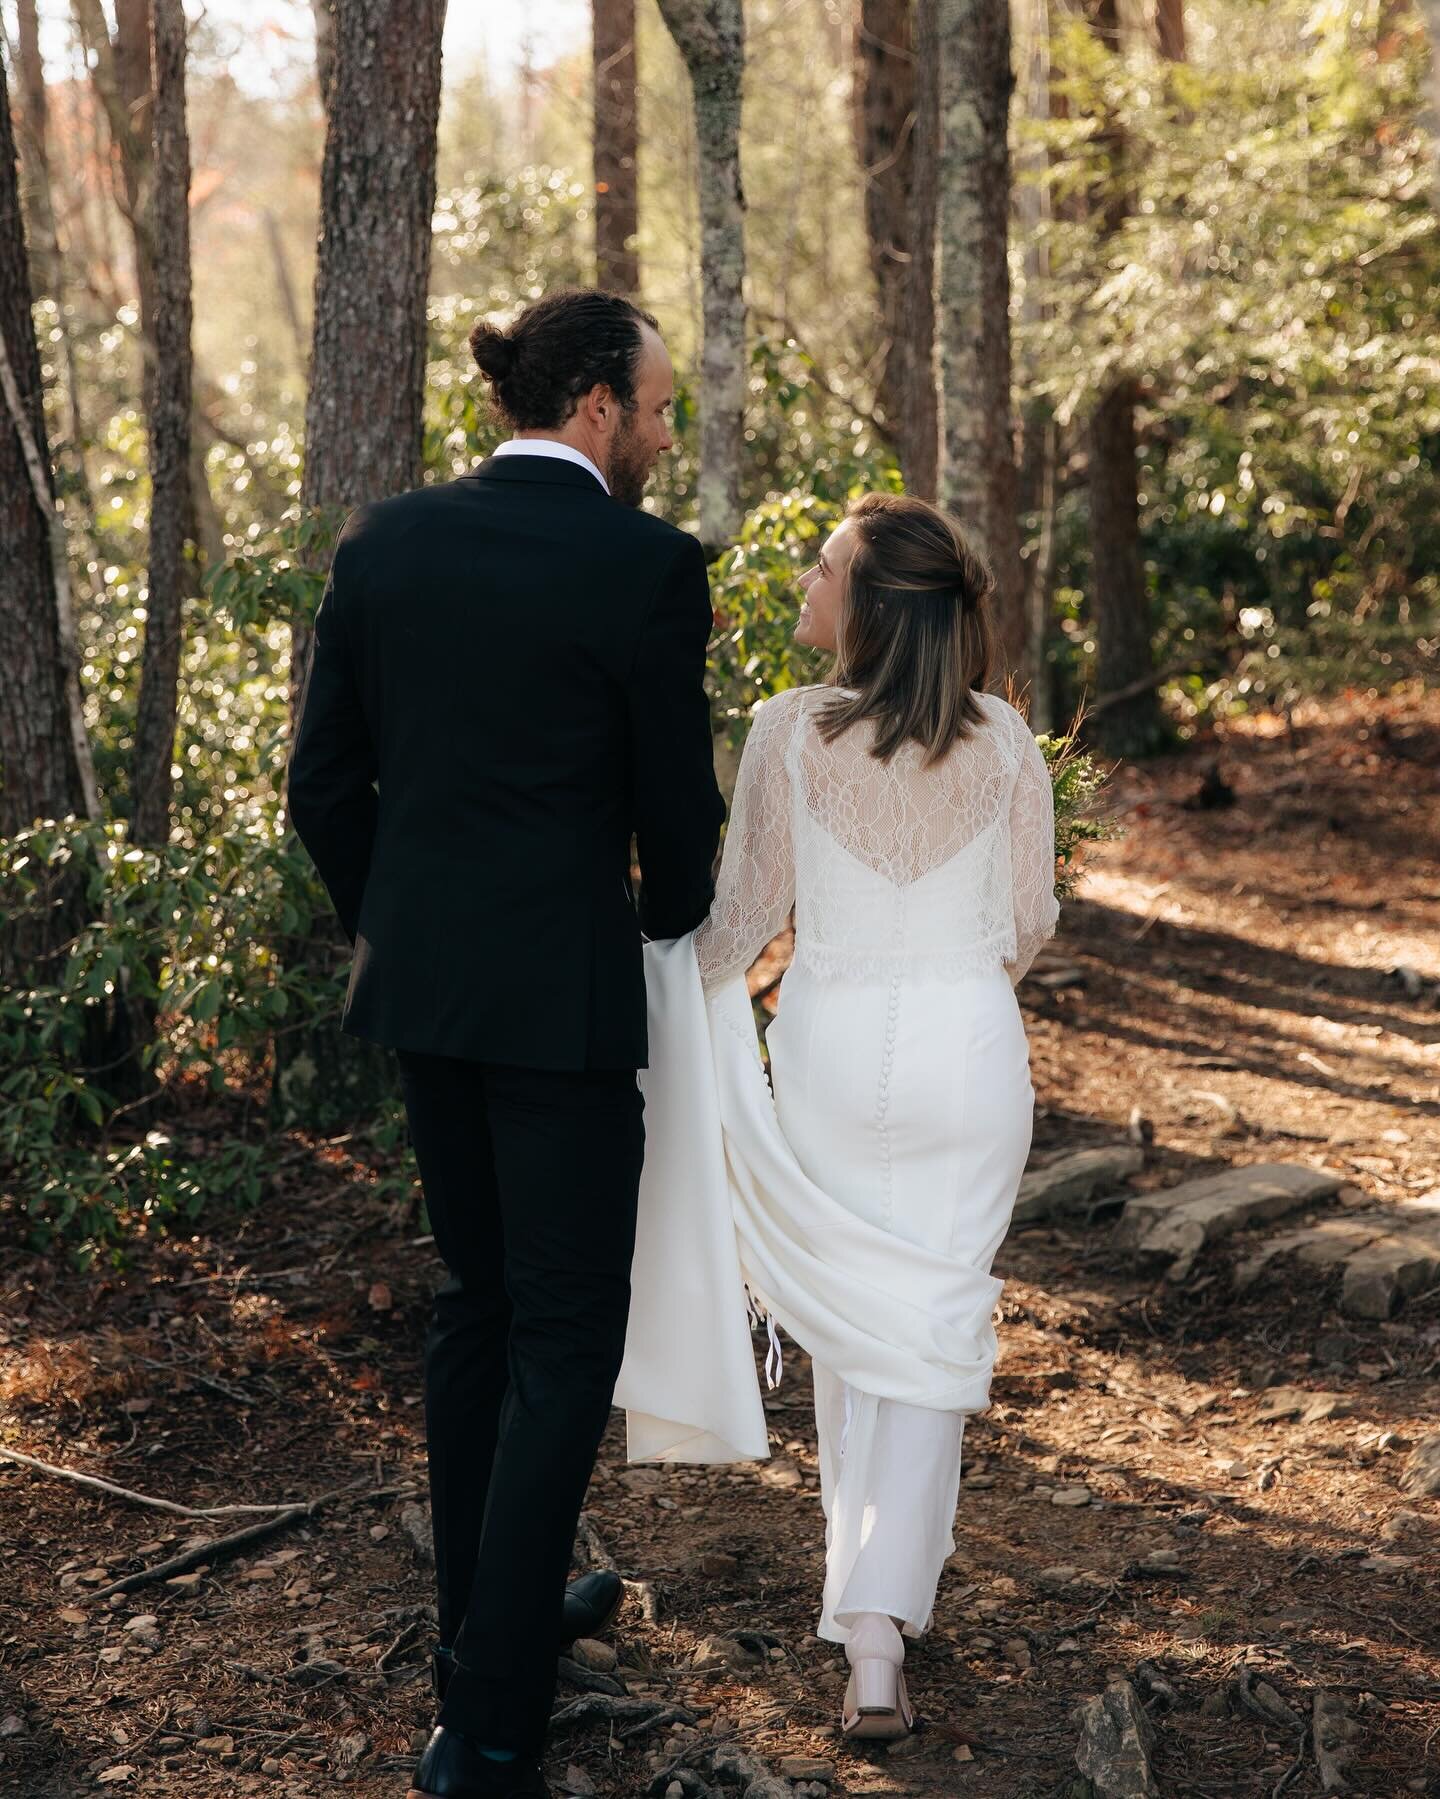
892,868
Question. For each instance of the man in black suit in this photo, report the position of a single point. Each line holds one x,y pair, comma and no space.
507,687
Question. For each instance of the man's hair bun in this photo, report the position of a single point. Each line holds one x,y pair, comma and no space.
493,351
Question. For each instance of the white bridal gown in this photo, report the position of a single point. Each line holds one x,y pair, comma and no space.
863,1205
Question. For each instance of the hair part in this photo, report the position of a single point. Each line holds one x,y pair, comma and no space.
562,346
915,641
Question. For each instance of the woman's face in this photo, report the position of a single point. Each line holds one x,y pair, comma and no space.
823,585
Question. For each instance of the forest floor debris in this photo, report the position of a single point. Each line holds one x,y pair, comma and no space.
1249,1532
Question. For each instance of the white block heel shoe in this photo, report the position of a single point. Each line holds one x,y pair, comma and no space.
877,1707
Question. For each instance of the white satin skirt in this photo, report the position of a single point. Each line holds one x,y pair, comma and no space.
909,1103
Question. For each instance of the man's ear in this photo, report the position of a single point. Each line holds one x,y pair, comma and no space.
599,405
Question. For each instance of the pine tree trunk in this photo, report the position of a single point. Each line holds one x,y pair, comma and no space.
364,420
170,412
883,106
617,146
710,35
920,458
978,476
1120,603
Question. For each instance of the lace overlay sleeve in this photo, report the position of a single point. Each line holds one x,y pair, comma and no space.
756,886
1032,852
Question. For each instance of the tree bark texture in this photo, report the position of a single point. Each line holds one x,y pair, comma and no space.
887,125
1170,29
920,453
171,405
617,146
324,11
33,130
978,475
39,776
710,35
364,415
1120,603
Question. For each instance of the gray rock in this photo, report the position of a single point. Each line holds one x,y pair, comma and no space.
592,1654
806,1767
1391,1268
1333,1730
1179,1221
1074,1180
1116,1743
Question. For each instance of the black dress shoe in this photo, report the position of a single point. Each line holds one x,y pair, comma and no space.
452,1767
590,1606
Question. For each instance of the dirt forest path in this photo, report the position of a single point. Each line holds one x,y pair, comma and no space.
1205,1479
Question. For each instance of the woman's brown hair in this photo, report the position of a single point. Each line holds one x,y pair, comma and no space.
915,640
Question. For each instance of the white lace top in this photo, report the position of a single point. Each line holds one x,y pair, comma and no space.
894,868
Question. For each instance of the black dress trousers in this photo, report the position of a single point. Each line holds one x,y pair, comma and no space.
531,1179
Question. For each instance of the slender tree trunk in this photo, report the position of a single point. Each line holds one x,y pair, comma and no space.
1430,10
884,118
710,35
365,416
921,400
617,146
1040,433
978,477
39,772
33,130
171,406
1170,29
1132,727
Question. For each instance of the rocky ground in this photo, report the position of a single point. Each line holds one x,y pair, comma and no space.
1198,1534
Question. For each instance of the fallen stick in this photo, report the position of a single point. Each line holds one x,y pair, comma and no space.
98,1485
202,1552
219,1547
601,1558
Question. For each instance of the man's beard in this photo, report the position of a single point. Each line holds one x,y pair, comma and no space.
628,467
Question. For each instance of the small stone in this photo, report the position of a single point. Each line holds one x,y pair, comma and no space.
116,1775
1421,1475
12,1725
1071,1496
271,1766
590,1653
94,1577
1160,1560
578,1782
112,1652
1017,1653
261,1571
185,1583
71,1614
1067,1646
962,1753
1215,1705
908,1748
1400,1525
219,1745
781,1473
806,1767
142,1621
1372,1564
349,1749
1062,1575
715,1565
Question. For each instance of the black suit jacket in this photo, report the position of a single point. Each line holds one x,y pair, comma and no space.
507,684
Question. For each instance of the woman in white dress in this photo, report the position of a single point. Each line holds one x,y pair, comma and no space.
906,815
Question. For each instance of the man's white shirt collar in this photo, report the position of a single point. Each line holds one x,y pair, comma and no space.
547,446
